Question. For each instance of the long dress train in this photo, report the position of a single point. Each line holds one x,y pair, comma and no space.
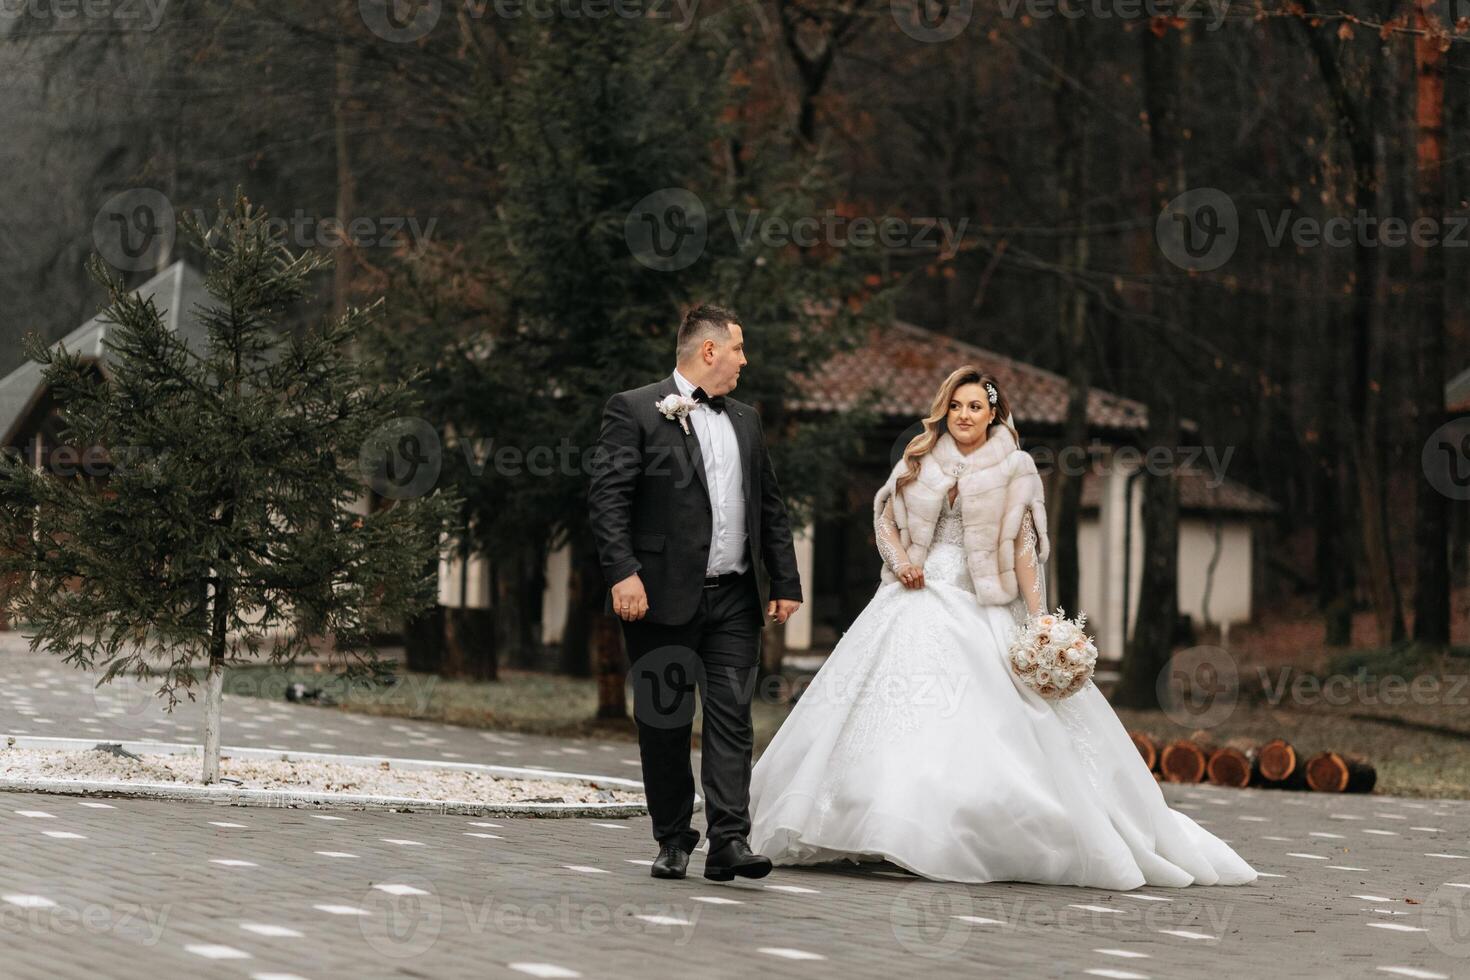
916,744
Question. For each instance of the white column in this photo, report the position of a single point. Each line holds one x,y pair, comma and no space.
799,626
1110,536
449,580
1135,556
471,591
554,600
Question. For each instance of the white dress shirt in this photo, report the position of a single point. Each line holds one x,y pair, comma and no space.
723,473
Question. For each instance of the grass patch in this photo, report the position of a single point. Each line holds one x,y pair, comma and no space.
522,701
1410,762
1404,660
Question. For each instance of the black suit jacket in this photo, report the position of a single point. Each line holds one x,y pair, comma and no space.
650,507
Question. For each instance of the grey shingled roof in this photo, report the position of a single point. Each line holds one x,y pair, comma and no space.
178,291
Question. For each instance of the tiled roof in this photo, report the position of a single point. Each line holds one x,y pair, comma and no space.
1199,491
905,364
177,291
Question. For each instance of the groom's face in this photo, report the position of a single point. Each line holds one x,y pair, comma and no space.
728,358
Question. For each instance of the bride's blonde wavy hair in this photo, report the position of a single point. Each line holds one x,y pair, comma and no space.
934,422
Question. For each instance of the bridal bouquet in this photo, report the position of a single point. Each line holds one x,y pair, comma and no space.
1052,655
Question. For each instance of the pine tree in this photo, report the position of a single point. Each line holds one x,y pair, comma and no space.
557,303
224,529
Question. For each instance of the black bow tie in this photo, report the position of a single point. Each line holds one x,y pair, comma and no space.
716,402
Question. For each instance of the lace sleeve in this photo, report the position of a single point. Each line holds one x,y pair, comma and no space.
885,532
1029,574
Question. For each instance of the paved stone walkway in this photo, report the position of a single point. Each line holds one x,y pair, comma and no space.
1356,886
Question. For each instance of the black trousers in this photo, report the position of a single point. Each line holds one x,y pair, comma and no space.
716,653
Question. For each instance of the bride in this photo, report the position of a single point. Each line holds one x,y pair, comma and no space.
916,744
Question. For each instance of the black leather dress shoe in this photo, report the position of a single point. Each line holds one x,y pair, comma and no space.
735,857
670,863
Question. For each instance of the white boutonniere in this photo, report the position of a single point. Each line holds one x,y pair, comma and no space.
676,407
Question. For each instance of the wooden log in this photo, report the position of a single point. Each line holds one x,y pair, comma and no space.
1185,761
1334,772
1277,760
1147,747
1236,763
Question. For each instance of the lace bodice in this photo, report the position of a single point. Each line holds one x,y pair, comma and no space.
945,561
951,526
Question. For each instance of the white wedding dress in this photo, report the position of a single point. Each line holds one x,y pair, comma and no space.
916,744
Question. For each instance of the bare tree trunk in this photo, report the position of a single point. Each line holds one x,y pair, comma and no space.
470,635
168,137
773,649
1152,643
813,35
346,182
1072,170
585,593
214,686
423,640
469,645
515,579
1431,565
214,678
612,671
1336,526
1357,118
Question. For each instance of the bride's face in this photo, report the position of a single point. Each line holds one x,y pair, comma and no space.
969,414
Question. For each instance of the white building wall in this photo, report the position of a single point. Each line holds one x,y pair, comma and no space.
1100,555
1107,568
799,626
475,588
1230,589
555,601
1230,599
1089,580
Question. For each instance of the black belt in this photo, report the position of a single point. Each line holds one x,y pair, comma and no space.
715,581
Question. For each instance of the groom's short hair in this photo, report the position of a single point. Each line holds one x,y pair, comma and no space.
701,323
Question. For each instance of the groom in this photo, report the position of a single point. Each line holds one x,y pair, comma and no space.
683,503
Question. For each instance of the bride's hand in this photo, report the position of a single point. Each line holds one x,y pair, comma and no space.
912,576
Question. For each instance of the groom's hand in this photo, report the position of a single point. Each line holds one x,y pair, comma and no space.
781,609
629,600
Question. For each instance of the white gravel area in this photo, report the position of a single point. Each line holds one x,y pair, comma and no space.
303,775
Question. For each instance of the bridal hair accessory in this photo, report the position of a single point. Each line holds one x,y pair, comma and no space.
994,395
676,408
1052,655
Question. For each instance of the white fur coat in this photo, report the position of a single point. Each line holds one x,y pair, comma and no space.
998,484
